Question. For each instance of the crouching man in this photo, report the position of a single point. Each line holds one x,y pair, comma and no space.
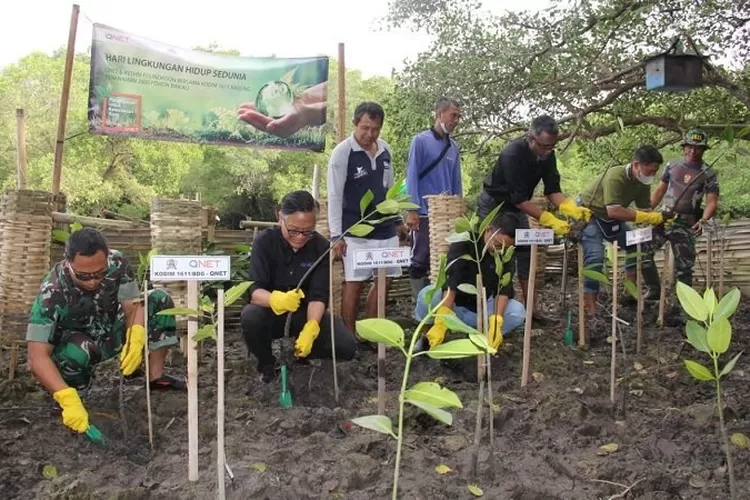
280,258
88,310
505,313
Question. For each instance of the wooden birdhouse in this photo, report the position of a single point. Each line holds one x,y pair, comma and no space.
675,70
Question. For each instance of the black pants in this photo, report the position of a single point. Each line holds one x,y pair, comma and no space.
260,326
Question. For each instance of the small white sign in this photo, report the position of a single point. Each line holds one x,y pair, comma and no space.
382,257
534,237
636,236
190,267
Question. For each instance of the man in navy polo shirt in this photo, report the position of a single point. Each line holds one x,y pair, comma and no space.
434,167
358,164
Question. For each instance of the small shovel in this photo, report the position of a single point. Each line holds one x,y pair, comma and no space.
96,436
568,337
285,398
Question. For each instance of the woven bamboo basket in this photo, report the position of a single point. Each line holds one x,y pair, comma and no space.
442,211
176,229
321,226
25,227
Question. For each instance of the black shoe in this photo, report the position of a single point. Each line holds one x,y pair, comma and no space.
539,319
267,373
167,383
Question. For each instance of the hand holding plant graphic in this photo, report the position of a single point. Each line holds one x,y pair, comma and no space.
307,110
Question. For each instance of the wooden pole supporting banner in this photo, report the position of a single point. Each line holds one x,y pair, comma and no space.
220,456
21,149
341,95
381,347
639,308
63,116
613,367
147,366
581,303
192,381
526,367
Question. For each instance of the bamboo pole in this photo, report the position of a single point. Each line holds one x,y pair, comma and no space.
63,116
581,303
722,242
664,286
64,218
709,259
147,364
485,328
192,379
342,94
220,456
333,332
530,302
21,149
639,307
613,367
381,346
474,465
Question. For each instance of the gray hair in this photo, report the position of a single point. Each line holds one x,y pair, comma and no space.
444,103
541,124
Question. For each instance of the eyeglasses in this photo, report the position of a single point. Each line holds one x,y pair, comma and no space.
543,146
296,233
97,276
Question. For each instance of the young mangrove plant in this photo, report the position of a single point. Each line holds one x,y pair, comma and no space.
710,332
428,396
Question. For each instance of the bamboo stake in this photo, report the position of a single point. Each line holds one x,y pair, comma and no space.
147,366
21,149
664,286
486,329
381,347
220,452
639,307
722,242
333,322
581,303
613,367
529,318
63,115
709,259
192,382
474,467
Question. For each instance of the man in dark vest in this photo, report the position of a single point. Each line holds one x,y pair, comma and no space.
433,167
359,164
682,188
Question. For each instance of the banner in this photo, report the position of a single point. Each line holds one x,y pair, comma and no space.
150,90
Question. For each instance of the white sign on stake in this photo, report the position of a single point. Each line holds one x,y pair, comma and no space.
190,268
382,257
525,237
636,236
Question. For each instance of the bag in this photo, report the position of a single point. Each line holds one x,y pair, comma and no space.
610,228
432,165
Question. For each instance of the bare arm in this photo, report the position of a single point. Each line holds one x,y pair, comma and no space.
43,368
501,302
450,298
530,209
621,213
712,201
261,297
134,314
556,199
658,194
315,310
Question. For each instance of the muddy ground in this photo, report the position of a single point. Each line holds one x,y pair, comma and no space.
547,435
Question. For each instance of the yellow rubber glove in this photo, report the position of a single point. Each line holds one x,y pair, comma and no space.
653,218
436,334
282,302
495,334
74,415
560,227
307,336
569,208
131,356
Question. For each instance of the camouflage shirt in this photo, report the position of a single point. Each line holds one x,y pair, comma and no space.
682,177
61,307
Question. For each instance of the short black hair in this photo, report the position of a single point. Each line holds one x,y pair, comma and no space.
86,241
506,223
372,109
647,154
543,123
444,103
298,201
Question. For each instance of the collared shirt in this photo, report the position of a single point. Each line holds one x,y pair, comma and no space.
62,307
445,177
274,265
516,174
351,173
681,176
465,271
615,187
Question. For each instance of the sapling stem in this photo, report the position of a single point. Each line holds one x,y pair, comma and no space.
724,437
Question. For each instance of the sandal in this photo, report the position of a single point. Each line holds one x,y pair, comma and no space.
166,383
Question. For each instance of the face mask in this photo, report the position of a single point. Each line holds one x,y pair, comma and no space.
443,128
645,179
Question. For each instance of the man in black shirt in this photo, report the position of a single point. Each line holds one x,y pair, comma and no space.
521,165
504,313
280,258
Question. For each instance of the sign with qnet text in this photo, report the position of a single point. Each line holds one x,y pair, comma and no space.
190,268
382,257
636,236
525,237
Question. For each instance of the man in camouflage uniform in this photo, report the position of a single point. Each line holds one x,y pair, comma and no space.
88,310
682,188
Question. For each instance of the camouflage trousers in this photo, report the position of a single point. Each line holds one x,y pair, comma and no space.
680,236
78,353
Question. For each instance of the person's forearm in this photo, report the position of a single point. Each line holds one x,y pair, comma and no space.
530,209
134,314
261,297
44,369
501,302
710,209
556,199
621,214
450,298
315,310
